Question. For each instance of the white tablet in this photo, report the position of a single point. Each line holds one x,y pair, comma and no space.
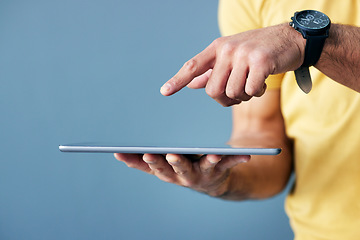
164,150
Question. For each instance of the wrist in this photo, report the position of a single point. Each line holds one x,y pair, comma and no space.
232,188
299,41
221,188
294,43
330,45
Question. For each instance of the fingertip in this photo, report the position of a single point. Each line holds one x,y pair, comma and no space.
265,87
213,158
166,89
245,158
262,91
173,158
118,156
146,158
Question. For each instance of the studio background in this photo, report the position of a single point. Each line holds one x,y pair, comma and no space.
90,71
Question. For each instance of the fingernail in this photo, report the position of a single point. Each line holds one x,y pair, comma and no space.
174,163
214,159
245,160
173,160
165,88
147,160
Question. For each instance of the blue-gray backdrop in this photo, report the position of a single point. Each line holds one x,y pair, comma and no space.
90,70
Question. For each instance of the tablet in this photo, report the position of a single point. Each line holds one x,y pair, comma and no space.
165,150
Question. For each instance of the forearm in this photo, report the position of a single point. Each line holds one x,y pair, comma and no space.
262,176
341,54
259,123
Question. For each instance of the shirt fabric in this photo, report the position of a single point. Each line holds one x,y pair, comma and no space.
324,124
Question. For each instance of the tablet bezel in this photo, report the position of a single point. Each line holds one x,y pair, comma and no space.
166,150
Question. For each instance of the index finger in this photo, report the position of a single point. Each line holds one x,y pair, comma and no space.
191,69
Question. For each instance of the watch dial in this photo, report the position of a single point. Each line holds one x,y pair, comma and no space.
312,19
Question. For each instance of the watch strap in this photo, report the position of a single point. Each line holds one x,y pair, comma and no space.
313,48
303,79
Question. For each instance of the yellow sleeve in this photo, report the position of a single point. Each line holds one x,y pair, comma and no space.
237,16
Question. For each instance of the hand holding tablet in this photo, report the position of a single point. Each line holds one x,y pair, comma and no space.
204,169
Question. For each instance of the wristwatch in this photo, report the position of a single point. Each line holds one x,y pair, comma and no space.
314,27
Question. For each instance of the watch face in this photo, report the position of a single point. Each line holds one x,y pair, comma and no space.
312,19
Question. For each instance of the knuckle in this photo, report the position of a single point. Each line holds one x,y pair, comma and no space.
212,92
181,172
188,183
231,93
175,80
251,90
191,66
228,48
218,42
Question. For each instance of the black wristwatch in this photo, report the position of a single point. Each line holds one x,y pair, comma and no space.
314,27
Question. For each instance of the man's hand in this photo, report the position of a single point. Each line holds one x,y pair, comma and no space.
208,175
233,69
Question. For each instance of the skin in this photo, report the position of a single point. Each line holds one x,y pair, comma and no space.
256,123
340,57
233,70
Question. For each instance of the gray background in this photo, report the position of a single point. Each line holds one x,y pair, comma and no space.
90,71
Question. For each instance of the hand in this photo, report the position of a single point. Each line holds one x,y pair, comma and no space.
233,69
209,175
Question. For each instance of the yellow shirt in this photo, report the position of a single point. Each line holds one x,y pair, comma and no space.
325,125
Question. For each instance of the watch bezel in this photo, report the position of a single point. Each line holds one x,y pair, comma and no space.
310,31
